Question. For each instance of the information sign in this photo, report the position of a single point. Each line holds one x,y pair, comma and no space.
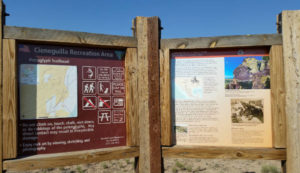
221,97
70,99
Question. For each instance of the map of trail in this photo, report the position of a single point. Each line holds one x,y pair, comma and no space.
188,88
187,83
48,91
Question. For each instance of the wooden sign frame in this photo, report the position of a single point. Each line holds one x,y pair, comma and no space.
273,41
14,35
148,94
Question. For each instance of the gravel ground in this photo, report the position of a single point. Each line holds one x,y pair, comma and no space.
173,166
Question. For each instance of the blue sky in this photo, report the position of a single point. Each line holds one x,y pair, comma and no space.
179,18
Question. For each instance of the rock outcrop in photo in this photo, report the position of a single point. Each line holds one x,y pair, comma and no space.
251,74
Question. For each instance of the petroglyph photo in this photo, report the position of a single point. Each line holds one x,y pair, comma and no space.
247,72
181,129
247,111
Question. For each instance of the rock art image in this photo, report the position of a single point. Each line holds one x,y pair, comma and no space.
247,111
247,72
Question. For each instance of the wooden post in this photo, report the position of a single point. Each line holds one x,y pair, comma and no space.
131,97
291,53
1,82
9,101
147,33
278,96
165,98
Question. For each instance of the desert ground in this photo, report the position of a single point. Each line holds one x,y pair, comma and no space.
173,165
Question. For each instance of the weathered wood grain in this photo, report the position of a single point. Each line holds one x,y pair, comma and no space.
224,153
291,54
147,33
143,90
131,79
165,98
278,96
1,84
70,158
223,41
9,99
58,36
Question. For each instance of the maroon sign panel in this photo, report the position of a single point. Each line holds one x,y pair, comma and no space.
70,99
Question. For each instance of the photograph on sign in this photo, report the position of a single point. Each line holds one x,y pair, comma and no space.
247,72
221,97
66,100
247,111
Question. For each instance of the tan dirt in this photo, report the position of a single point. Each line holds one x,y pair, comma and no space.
173,165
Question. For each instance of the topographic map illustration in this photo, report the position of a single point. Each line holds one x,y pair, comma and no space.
48,91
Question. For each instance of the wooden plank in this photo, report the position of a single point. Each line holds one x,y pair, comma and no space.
147,33
165,98
70,158
1,83
9,99
291,54
224,153
278,96
224,41
132,97
35,34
